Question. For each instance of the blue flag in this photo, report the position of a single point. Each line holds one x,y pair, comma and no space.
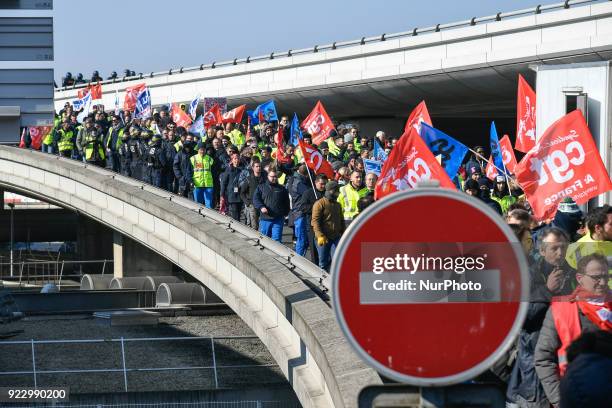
197,126
296,132
372,166
265,112
496,150
193,106
253,117
379,152
441,144
143,104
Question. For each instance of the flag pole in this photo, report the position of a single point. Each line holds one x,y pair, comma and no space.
486,160
308,170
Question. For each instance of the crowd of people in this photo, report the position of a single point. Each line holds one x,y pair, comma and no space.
239,171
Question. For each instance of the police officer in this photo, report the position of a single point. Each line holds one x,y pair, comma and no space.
65,137
93,148
113,143
135,153
155,161
169,153
125,156
182,167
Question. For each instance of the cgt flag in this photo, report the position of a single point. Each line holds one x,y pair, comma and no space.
451,151
213,116
318,124
418,115
315,160
131,94
564,163
525,117
179,116
409,163
234,116
507,154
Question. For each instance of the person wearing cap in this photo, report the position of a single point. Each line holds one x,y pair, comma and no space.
476,162
328,224
64,137
125,155
135,152
201,167
155,160
113,141
248,186
349,197
501,194
170,152
272,201
485,195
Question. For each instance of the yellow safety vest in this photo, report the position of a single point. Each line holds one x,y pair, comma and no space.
587,246
90,143
65,140
202,170
348,199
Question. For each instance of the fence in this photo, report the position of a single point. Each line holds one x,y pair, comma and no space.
194,404
49,271
124,370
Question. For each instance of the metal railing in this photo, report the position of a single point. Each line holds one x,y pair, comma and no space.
47,271
124,370
193,404
343,44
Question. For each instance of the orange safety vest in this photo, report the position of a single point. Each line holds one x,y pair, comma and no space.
567,323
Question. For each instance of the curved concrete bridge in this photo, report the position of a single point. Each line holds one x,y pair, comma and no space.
268,291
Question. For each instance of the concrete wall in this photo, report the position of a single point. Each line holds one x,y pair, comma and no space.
595,79
139,260
298,327
575,31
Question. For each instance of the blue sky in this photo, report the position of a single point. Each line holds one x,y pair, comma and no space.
157,35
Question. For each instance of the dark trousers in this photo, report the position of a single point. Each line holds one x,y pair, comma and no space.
314,254
234,210
113,161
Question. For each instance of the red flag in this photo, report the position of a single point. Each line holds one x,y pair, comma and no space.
318,124
410,162
507,153
315,161
131,93
96,92
418,115
36,135
525,117
213,116
235,115
22,142
248,131
179,116
564,163
280,148
491,171
82,92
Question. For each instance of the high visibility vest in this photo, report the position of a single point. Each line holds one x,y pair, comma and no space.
93,148
282,178
363,192
48,138
587,246
567,323
348,199
178,145
119,141
505,202
236,138
65,140
202,170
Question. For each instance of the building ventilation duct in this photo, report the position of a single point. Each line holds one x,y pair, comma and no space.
175,294
95,282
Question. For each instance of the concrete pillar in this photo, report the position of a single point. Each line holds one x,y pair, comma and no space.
117,254
139,260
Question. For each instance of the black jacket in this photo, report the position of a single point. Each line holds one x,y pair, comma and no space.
230,186
248,186
274,197
182,167
298,187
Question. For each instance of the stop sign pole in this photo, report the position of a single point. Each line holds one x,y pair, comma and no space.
430,286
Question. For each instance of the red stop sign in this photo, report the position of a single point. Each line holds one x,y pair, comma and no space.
430,286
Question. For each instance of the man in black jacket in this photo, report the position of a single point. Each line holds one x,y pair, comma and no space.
299,185
230,187
272,200
305,206
247,189
182,168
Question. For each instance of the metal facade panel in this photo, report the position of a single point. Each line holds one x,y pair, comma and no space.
26,5
26,39
32,91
